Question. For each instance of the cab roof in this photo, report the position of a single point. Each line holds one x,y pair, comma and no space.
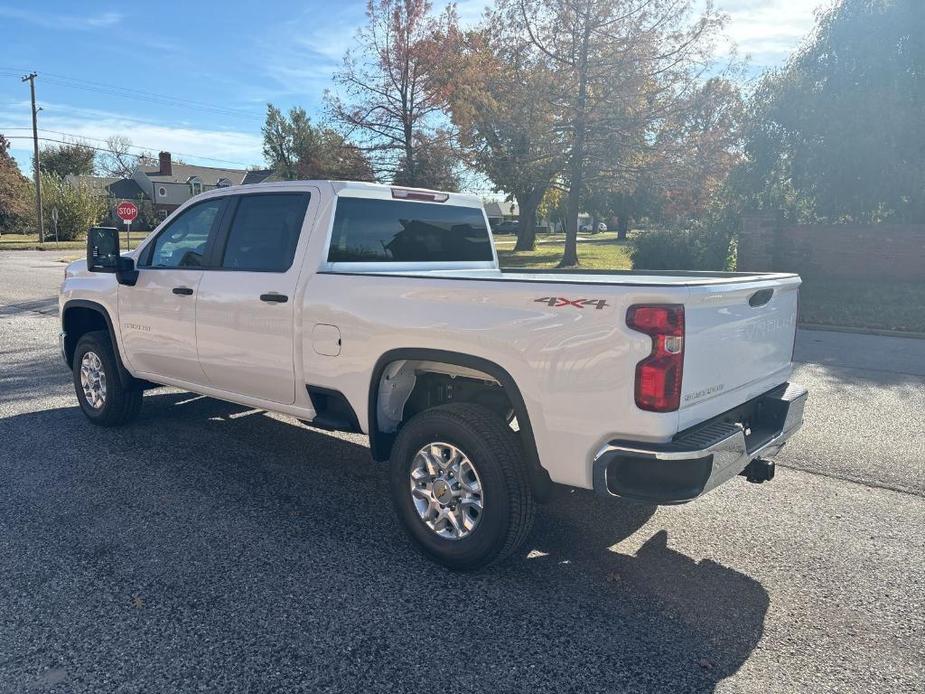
360,189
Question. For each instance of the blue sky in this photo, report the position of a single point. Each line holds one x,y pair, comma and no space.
193,78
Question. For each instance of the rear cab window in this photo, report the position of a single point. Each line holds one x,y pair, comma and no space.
370,230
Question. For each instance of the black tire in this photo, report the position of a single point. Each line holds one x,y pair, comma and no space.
122,401
495,452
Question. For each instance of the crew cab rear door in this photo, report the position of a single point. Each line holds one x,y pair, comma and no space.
245,304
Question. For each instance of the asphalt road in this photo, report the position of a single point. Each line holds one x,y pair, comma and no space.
208,547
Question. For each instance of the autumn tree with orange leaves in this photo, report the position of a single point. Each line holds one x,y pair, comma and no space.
387,100
625,70
499,90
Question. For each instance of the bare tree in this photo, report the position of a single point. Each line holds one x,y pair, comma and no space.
623,68
119,161
387,98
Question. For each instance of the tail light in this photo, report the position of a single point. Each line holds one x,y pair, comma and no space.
658,376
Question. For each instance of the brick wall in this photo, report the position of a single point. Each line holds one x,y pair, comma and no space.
849,251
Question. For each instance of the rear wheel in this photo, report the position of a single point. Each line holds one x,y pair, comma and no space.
102,395
460,487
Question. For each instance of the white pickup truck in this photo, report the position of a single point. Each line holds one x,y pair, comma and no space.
382,310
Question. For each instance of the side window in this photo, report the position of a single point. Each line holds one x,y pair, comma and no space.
265,231
183,243
399,231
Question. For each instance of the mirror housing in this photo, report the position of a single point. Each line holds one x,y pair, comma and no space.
103,249
103,255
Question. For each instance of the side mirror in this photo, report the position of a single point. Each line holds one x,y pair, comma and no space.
103,249
103,255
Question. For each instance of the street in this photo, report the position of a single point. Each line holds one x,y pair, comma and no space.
209,546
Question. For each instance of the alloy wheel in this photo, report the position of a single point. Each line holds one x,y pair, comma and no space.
93,380
446,490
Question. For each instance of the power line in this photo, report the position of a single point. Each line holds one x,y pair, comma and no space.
81,138
106,149
138,94
143,148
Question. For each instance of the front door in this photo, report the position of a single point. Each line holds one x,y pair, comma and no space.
245,310
157,316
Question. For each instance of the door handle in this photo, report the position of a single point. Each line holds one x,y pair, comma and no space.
185,291
274,298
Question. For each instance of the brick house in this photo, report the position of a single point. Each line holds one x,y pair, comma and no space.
171,184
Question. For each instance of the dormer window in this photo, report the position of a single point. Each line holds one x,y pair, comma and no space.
195,184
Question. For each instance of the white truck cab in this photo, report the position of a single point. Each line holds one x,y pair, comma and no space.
383,310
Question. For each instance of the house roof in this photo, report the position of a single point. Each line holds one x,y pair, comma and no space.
108,185
98,184
209,175
126,188
501,208
260,176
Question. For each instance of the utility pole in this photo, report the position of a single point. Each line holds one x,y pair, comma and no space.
35,157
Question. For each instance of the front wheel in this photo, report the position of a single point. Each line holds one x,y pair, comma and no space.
102,395
460,486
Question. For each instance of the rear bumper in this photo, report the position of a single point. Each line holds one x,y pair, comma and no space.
703,457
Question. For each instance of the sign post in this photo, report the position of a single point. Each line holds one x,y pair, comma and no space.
54,219
127,212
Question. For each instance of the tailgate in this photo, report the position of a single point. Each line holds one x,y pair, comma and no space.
738,344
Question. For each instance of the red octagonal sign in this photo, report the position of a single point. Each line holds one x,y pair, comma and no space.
127,211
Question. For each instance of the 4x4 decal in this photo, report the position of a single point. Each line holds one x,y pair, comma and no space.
559,302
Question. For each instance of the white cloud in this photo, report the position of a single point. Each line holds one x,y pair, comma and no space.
768,30
192,144
107,19
49,20
301,54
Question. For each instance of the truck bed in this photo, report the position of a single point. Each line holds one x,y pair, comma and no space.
739,330
629,278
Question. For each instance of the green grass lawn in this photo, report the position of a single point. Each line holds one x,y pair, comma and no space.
873,305
598,252
898,306
30,242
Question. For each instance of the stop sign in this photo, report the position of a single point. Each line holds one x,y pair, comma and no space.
127,211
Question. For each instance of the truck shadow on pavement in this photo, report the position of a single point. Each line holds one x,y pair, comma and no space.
212,545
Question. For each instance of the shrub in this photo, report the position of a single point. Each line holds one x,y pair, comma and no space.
79,207
705,245
662,250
